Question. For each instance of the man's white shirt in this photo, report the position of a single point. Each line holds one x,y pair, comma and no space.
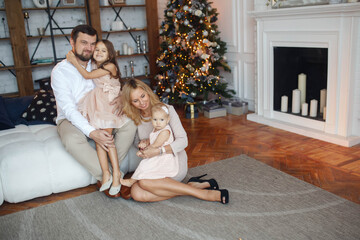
69,87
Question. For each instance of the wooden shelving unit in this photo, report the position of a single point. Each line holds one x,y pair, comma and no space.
22,65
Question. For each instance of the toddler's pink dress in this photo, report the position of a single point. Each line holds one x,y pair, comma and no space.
161,166
95,105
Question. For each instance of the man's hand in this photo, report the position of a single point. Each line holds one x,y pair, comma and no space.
117,110
103,138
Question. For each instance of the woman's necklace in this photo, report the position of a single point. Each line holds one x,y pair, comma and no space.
145,115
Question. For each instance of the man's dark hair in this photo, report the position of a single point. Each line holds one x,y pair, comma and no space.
87,29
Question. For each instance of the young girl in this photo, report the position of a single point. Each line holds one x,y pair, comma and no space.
95,106
163,165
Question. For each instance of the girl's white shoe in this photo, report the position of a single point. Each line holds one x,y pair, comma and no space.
114,190
106,185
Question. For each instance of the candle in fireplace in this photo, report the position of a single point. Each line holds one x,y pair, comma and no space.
324,113
302,87
322,100
284,103
304,109
295,101
313,108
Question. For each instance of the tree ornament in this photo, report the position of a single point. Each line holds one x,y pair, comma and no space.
198,13
193,94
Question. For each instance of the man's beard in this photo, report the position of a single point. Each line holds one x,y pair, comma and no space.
82,57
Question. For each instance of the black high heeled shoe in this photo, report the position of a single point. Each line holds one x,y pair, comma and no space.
213,184
224,196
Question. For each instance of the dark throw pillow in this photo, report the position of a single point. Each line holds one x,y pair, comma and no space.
42,109
5,122
15,108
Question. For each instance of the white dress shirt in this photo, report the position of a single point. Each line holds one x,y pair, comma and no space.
69,87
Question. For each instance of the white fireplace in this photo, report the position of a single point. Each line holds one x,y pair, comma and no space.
334,27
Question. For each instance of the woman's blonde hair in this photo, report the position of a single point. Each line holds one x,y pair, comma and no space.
128,108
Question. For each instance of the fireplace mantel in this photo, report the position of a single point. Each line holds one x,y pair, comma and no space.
328,10
335,27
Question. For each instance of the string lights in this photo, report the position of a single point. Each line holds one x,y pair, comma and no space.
190,52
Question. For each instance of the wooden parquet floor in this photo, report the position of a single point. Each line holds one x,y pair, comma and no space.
331,167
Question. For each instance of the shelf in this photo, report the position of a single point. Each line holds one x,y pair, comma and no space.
42,65
126,30
10,95
29,66
141,77
132,55
54,8
4,38
49,36
124,5
7,68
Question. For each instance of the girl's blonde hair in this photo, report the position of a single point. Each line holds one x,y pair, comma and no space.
160,107
128,108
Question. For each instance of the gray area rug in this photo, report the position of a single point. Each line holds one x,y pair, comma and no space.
264,204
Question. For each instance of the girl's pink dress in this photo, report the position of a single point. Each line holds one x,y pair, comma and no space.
95,105
161,166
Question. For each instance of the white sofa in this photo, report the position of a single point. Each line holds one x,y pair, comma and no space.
34,163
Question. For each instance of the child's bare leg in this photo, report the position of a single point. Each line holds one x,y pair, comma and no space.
104,164
128,182
114,163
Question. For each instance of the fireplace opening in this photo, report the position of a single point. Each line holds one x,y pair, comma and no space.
312,64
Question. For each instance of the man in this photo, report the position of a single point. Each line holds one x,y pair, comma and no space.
74,129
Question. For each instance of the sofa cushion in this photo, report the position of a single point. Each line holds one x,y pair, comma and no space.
15,108
34,163
42,108
5,121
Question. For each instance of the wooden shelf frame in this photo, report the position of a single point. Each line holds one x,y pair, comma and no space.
16,25
152,29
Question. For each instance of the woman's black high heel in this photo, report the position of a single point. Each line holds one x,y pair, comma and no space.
224,196
213,184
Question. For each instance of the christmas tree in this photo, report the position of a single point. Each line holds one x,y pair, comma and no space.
191,53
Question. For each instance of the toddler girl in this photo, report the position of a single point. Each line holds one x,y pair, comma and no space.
163,165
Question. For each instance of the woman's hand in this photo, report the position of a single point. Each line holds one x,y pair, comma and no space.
149,152
143,144
70,56
117,109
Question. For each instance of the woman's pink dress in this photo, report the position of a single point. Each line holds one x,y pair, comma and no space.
95,105
161,166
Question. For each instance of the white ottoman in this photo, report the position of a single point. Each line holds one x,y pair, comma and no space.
34,163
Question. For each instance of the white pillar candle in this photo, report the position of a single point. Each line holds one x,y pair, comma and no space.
302,86
125,49
130,50
324,113
322,99
313,108
284,103
295,101
304,109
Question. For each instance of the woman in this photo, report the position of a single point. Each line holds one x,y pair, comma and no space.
137,100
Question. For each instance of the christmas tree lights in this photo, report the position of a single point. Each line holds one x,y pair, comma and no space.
191,53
